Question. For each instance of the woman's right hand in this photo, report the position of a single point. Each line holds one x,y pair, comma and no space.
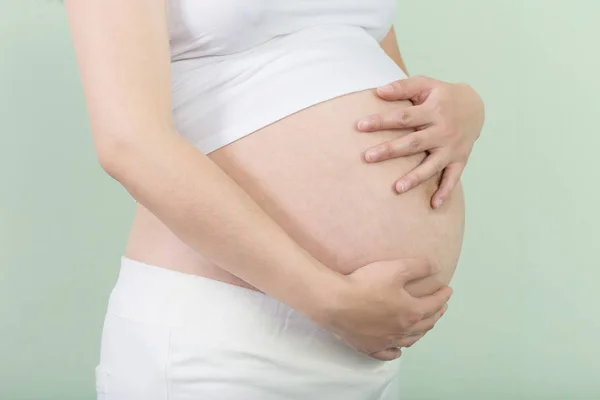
376,315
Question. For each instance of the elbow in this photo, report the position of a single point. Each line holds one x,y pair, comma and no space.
113,153
120,150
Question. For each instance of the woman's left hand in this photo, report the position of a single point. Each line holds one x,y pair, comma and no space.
447,119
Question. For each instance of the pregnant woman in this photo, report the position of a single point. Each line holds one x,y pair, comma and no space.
272,254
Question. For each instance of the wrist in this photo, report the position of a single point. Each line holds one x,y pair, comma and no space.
322,296
329,299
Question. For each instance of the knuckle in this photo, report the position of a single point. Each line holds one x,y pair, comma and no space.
412,179
437,163
421,78
379,121
414,317
403,326
437,109
441,107
376,121
403,118
440,165
403,273
414,144
421,98
386,150
398,85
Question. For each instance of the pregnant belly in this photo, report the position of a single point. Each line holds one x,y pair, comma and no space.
306,171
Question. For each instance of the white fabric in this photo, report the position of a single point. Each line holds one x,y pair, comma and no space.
240,65
169,335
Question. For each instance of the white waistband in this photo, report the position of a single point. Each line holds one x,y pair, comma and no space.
227,313
153,294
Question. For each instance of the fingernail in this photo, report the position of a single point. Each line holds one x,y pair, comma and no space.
401,187
387,89
437,203
365,124
371,155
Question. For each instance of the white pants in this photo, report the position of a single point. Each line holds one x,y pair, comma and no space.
174,336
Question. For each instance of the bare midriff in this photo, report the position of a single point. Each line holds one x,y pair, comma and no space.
307,172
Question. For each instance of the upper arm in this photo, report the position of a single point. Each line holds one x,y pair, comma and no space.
122,50
389,44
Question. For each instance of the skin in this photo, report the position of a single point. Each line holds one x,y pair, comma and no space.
447,119
340,209
123,55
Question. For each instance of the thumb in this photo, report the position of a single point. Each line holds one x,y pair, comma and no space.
412,269
405,89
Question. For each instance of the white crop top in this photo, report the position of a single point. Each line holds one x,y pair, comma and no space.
240,65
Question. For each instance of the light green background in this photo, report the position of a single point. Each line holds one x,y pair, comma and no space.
524,322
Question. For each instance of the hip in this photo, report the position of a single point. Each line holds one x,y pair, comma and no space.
173,335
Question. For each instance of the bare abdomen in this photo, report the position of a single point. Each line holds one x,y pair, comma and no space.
307,172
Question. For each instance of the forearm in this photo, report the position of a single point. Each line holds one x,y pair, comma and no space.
213,215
